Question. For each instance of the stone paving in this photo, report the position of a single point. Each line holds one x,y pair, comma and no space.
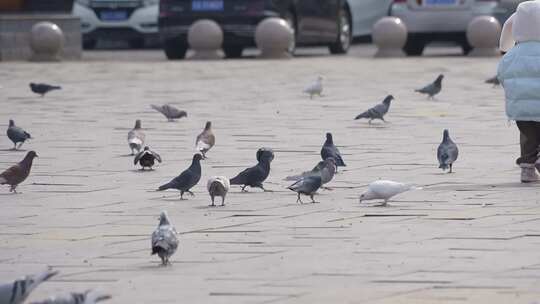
468,237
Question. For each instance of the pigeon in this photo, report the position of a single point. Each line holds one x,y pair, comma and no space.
16,292
16,174
42,88
385,189
432,89
146,158
87,297
206,140
325,169
307,185
315,88
187,179
256,175
164,240
136,137
170,112
218,186
447,153
494,81
329,150
17,135
378,111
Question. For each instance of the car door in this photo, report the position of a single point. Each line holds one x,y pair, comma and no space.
366,12
316,20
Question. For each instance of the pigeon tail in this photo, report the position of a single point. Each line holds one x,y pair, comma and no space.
238,180
363,115
3,180
165,187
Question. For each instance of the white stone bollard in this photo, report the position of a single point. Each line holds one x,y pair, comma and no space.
389,35
483,34
205,38
46,41
273,37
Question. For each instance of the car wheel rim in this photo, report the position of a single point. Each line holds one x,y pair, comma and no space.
345,33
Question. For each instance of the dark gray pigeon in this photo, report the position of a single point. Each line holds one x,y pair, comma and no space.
170,112
17,135
447,153
307,185
432,89
325,169
43,88
329,150
187,179
146,158
17,173
87,297
16,292
256,175
378,111
494,81
164,240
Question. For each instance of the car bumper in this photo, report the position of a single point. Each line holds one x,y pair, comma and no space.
143,21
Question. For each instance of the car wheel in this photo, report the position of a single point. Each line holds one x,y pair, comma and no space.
414,47
341,46
136,43
175,49
466,47
291,19
89,44
233,51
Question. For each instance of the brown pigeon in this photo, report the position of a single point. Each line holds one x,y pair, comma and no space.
206,140
136,138
16,174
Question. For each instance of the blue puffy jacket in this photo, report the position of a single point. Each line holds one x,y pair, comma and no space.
519,73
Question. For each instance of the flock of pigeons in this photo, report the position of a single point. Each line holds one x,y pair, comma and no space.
164,241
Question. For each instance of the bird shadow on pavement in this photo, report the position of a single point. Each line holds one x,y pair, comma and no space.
142,171
124,155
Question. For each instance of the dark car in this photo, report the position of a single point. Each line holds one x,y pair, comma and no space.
315,22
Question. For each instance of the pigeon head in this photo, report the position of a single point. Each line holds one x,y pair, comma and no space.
366,196
265,154
163,218
11,123
388,99
138,124
197,157
32,85
146,148
208,125
329,138
446,135
439,79
183,114
31,155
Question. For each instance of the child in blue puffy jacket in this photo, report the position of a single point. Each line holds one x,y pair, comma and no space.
519,73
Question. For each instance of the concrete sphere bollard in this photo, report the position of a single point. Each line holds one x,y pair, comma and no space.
205,37
389,35
273,37
46,41
483,34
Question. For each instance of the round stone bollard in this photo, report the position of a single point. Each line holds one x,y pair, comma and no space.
46,41
389,35
273,37
483,34
205,38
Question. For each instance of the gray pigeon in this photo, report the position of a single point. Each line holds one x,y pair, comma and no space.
146,158
170,112
187,179
256,175
17,173
307,185
164,240
432,89
16,292
494,81
87,297
325,169
218,186
206,140
42,88
17,135
378,111
136,138
329,150
447,153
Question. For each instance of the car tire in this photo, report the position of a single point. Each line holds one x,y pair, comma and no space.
89,44
233,51
414,46
466,47
136,43
343,43
175,49
291,19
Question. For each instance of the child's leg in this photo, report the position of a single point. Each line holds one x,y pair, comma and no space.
529,141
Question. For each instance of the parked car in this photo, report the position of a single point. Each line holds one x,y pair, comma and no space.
444,20
130,20
315,22
365,13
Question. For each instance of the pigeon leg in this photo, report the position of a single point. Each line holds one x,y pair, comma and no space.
299,200
14,146
212,201
190,193
244,188
182,195
312,199
369,122
450,169
13,189
20,145
223,200
382,118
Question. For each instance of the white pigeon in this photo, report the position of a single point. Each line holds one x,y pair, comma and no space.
218,186
385,189
136,137
16,292
87,297
164,240
315,88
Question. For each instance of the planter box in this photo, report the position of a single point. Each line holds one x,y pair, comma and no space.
11,5
47,6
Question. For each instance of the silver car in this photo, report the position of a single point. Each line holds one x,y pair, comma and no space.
444,20
365,13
